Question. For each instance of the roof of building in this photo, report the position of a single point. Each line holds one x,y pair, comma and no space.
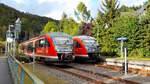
138,12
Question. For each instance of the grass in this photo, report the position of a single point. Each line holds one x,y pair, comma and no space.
135,58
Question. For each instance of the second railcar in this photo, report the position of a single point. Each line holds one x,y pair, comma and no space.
86,47
57,45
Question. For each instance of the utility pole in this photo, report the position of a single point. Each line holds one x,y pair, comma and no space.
33,56
125,50
121,49
9,40
122,39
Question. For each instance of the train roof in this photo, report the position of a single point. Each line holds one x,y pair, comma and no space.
54,34
84,37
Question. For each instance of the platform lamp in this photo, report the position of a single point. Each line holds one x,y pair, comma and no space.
122,39
9,39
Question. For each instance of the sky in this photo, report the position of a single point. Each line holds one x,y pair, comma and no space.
55,8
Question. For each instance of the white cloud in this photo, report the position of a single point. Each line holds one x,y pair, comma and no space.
66,6
55,8
54,14
132,2
19,1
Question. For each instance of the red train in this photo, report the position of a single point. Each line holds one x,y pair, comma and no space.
57,45
86,47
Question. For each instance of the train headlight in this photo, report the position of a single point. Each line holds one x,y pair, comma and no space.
58,50
70,50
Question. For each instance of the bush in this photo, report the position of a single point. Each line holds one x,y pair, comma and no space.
136,53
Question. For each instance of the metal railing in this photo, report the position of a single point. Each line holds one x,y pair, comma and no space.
20,74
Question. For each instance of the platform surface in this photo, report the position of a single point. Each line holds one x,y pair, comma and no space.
5,75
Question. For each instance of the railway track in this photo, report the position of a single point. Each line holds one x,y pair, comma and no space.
130,70
109,77
91,80
91,76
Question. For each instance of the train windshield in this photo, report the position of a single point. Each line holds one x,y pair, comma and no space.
63,40
89,42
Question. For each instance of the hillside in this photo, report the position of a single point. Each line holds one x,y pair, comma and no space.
31,24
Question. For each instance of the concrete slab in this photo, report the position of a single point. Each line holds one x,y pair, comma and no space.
5,76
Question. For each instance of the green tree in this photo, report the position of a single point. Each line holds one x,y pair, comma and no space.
68,25
144,36
71,27
84,16
82,13
62,22
50,27
3,31
110,9
126,26
98,25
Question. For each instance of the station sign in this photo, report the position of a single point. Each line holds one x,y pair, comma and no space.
122,39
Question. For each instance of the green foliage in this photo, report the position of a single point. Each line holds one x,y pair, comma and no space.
69,25
3,31
129,9
50,27
137,53
82,13
66,25
126,26
30,23
110,8
144,37
84,16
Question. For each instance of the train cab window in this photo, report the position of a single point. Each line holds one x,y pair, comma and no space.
47,43
42,43
76,44
30,47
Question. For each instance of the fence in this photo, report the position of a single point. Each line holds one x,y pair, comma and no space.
20,74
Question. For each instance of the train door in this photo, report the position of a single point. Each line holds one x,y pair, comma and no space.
47,47
77,48
40,49
30,48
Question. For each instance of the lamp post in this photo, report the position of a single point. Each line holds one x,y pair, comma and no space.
122,39
9,39
11,36
125,50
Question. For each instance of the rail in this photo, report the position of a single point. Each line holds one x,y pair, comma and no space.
20,74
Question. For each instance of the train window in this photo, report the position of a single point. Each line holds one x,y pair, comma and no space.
76,44
42,43
47,43
37,43
30,47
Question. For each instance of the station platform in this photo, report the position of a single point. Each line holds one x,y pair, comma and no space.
137,64
5,75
